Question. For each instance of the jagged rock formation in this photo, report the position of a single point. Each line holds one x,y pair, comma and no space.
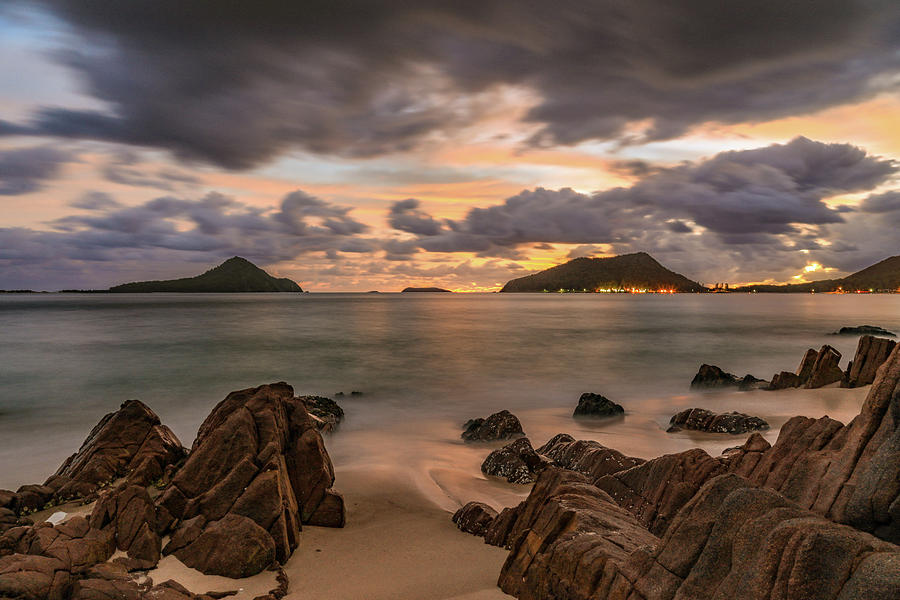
700,419
131,443
870,354
257,470
827,368
502,425
799,519
516,462
787,379
595,405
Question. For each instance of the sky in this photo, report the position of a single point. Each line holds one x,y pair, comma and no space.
364,145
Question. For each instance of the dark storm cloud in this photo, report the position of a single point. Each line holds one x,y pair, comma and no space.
25,170
237,83
743,197
882,203
212,227
405,215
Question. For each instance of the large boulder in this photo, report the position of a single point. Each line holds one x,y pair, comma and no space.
700,419
502,425
75,544
711,376
130,442
871,353
595,405
234,546
827,368
517,462
31,577
258,459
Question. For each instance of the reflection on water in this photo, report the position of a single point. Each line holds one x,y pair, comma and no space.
424,362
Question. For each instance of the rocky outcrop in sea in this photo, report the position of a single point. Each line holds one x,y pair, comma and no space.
812,516
233,506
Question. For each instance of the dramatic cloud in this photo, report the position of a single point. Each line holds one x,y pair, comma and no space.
743,197
234,85
125,169
25,170
176,229
406,216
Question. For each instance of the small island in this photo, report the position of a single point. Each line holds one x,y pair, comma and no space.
234,275
424,289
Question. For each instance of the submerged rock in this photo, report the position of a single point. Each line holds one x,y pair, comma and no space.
327,412
700,419
864,330
516,462
711,377
502,425
595,405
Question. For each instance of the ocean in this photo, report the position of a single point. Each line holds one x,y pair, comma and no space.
424,363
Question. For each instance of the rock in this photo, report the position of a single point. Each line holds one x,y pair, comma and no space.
656,490
589,458
257,456
474,518
569,534
700,419
827,369
595,405
233,546
73,543
847,473
9,500
711,376
33,497
786,379
871,353
129,442
129,515
326,410
864,330
735,540
517,462
29,577
499,426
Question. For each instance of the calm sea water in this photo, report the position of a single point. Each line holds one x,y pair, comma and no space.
424,362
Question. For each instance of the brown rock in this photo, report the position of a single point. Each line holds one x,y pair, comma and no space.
871,353
589,458
827,369
700,419
516,462
129,515
129,442
257,456
29,577
33,497
474,518
502,425
233,546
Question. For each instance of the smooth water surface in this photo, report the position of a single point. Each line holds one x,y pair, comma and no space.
424,362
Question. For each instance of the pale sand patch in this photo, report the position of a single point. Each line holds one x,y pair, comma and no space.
397,544
250,587
70,509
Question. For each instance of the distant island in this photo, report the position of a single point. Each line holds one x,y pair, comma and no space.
234,275
880,277
424,289
638,272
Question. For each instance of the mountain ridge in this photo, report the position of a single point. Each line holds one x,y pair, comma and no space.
638,270
235,275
